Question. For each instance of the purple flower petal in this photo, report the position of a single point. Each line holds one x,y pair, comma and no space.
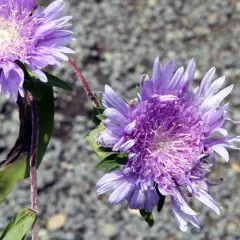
109,181
107,139
120,193
147,89
175,82
111,100
115,128
11,80
203,196
54,9
180,206
191,68
221,151
214,101
207,80
168,73
137,200
115,116
40,75
130,127
120,184
151,200
127,145
157,75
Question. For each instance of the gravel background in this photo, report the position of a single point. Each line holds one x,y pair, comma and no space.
116,42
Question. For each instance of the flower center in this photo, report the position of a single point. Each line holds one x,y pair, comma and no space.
162,145
168,141
7,32
11,41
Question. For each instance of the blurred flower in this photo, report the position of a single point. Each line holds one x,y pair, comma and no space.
35,38
168,132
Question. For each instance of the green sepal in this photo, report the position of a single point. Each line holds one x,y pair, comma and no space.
92,140
148,217
161,200
99,99
18,228
137,89
160,203
98,115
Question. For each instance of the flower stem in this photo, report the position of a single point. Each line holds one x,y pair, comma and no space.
33,161
84,83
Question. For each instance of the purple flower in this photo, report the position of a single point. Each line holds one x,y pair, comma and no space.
32,37
169,135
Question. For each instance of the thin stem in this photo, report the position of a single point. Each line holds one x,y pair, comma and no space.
33,161
84,83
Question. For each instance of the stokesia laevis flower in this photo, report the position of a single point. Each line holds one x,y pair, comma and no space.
169,135
32,37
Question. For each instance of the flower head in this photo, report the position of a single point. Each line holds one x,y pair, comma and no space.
168,133
32,37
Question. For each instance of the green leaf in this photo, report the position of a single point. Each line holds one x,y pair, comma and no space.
92,140
11,174
46,111
108,164
112,162
54,81
16,165
19,227
10,224
148,217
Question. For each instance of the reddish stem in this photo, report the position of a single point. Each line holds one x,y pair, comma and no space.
84,83
33,161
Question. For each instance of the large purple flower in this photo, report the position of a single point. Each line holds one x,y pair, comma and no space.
32,37
169,135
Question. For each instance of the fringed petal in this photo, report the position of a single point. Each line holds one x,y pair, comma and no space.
107,139
214,101
191,68
111,100
11,80
179,206
157,75
205,83
203,196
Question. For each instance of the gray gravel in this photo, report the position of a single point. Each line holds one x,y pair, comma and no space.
116,42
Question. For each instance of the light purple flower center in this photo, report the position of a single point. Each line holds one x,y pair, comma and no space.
169,140
15,35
